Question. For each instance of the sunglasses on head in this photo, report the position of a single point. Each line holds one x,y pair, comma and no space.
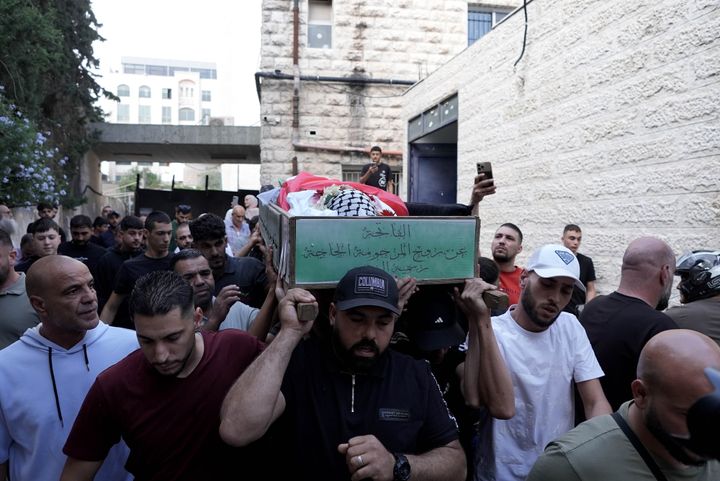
184,208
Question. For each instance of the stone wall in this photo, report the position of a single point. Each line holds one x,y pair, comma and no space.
380,39
609,120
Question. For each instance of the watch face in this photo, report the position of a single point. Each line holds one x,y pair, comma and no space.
402,468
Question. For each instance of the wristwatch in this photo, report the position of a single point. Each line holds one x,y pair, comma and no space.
401,471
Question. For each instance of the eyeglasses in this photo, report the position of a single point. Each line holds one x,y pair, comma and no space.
184,208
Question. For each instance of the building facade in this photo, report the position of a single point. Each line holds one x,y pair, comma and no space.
333,74
606,117
171,92
159,91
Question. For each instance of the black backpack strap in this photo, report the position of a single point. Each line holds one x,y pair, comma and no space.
651,464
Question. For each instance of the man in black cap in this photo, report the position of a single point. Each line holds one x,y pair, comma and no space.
434,334
350,406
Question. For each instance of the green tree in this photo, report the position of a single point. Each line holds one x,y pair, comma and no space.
46,58
214,179
25,158
148,180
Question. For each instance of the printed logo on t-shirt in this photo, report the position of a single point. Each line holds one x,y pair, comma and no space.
382,181
392,414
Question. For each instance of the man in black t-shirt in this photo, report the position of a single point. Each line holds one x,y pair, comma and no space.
348,406
155,258
619,324
572,237
130,236
80,247
244,275
376,173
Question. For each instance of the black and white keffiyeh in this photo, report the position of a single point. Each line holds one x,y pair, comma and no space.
353,203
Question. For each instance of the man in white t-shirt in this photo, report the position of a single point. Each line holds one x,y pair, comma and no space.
545,350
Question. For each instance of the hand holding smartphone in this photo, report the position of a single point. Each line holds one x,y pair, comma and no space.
485,168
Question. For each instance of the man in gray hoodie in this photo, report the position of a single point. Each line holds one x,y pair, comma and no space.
51,368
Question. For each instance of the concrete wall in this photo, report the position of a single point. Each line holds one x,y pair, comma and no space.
392,39
609,120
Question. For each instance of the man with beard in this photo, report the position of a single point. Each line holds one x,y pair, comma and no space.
165,398
619,324
80,247
545,350
348,406
505,246
7,220
670,379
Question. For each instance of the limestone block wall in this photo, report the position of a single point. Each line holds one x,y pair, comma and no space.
388,39
610,120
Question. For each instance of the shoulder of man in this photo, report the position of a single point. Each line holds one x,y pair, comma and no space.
576,451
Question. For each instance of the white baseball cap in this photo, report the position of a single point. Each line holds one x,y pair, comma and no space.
555,260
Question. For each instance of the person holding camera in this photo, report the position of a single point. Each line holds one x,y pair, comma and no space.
346,406
648,437
376,173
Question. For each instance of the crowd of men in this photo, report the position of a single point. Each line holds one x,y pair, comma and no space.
164,348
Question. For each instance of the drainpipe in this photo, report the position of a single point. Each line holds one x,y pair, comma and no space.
296,82
352,80
342,149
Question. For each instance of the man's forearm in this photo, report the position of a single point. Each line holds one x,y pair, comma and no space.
364,178
591,292
487,381
261,324
255,401
593,398
111,307
446,463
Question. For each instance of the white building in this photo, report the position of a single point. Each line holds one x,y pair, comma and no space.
159,91
171,92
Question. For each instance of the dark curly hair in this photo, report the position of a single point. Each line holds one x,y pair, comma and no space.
207,227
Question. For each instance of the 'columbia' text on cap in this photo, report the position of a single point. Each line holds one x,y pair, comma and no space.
367,286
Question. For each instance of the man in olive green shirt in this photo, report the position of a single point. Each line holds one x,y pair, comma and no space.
670,380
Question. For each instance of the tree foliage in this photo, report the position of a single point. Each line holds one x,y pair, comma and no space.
148,180
46,57
26,177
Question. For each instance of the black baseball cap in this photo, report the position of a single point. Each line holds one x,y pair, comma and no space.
367,286
432,318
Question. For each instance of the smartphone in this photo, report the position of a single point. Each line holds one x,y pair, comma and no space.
485,168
